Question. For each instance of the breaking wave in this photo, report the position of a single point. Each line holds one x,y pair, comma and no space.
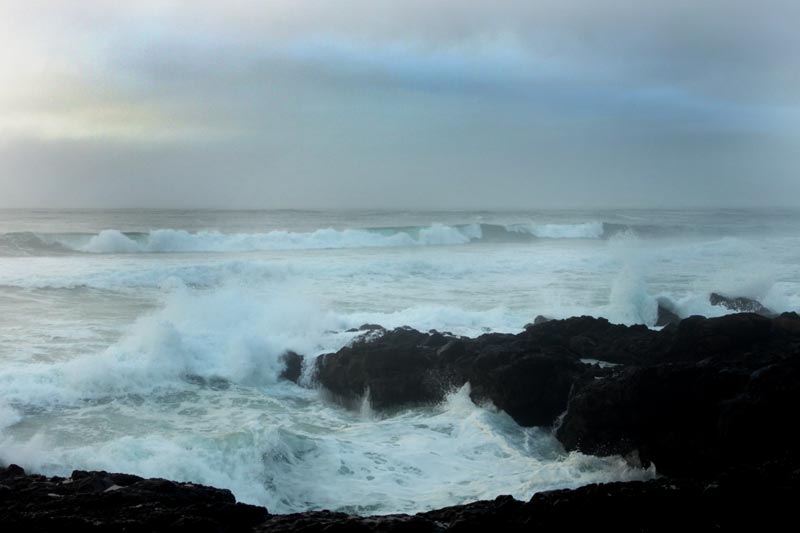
112,241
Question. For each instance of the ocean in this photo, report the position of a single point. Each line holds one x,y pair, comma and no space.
149,341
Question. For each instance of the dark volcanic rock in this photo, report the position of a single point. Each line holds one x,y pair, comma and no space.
759,499
667,413
294,366
528,375
100,501
728,337
726,400
540,319
366,328
737,501
404,367
328,522
597,338
396,369
750,500
533,388
666,313
740,304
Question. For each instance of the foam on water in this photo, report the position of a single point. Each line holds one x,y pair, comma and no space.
296,454
8,416
586,230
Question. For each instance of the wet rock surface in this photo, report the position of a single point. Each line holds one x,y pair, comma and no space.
394,368
100,501
293,366
694,398
760,499
740,304
666,314
723,396
531,375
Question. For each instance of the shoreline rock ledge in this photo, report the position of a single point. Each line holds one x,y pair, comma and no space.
759,500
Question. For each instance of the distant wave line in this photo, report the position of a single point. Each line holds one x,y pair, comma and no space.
111,241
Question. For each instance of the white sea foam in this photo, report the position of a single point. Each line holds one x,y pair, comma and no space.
630,300
414,461
8,415
111,241
585,230
169,240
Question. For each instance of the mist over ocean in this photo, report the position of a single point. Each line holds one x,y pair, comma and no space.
149,341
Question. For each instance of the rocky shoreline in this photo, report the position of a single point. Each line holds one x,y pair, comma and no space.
710,402
758,499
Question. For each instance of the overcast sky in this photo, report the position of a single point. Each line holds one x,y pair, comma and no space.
399,103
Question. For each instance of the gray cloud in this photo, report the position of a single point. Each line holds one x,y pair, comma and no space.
396,104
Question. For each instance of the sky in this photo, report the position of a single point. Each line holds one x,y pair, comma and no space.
439,104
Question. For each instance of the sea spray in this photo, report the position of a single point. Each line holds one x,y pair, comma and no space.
630,301
8,416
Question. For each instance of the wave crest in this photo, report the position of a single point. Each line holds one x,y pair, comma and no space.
113,241
586,230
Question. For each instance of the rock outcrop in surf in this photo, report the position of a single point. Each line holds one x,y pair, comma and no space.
720,397
528,375
740,304
693,397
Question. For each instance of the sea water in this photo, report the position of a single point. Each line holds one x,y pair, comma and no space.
149,342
